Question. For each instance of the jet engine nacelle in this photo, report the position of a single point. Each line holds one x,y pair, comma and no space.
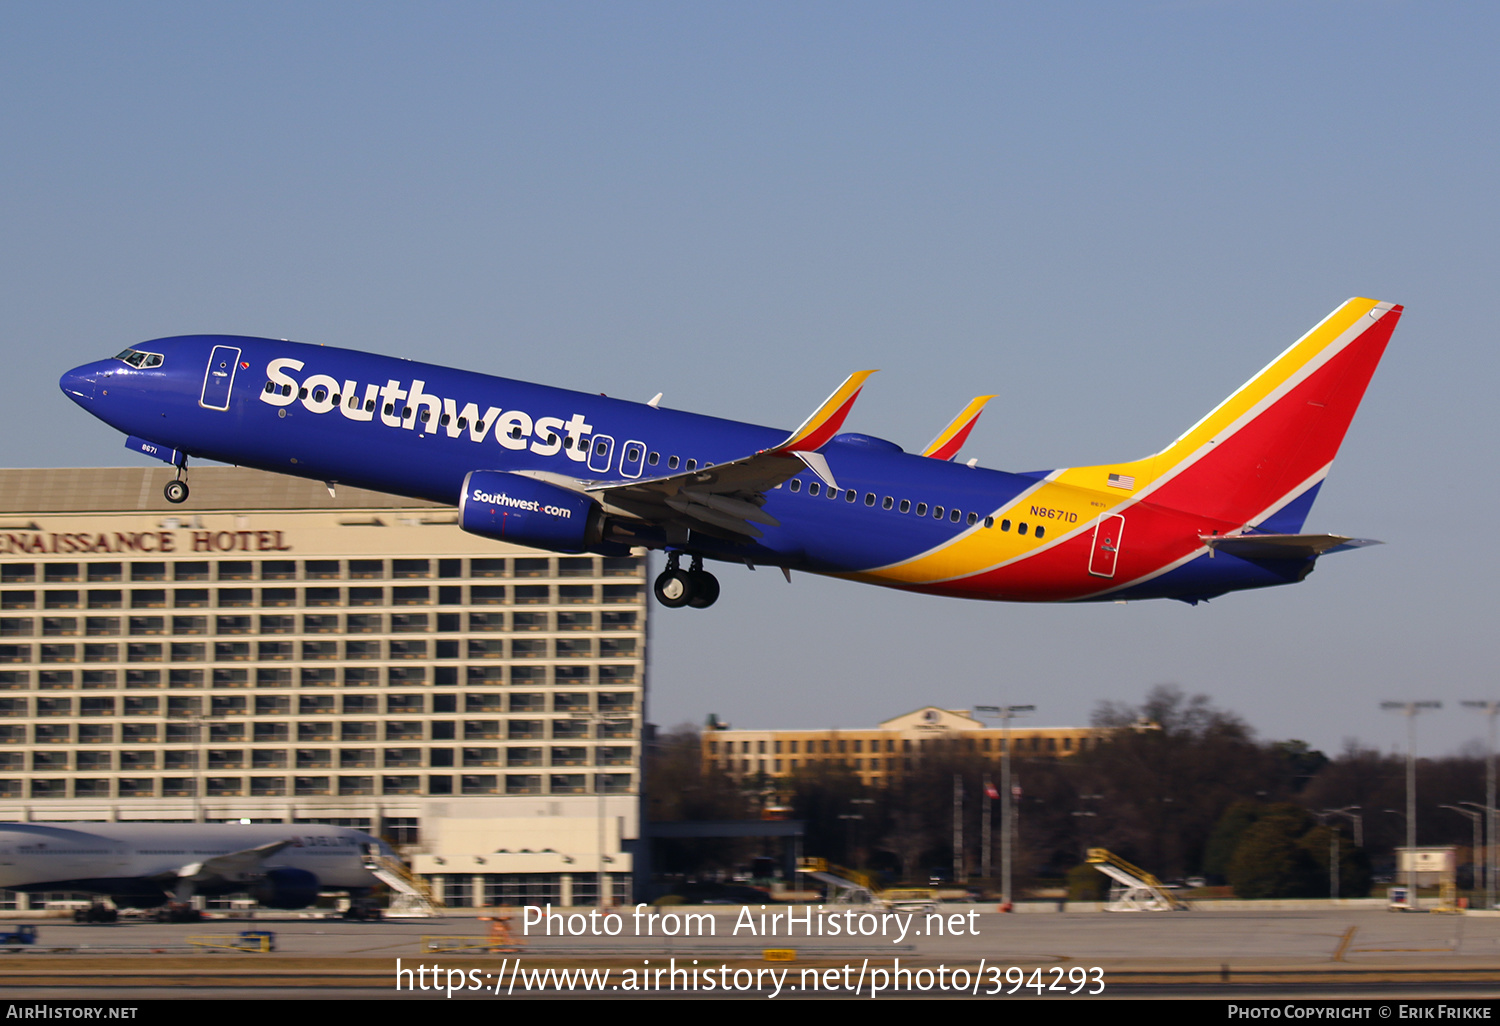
523,510
286,888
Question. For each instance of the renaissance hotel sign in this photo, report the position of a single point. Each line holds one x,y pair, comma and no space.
19,543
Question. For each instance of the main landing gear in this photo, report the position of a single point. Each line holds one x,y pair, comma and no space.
177,489
694,587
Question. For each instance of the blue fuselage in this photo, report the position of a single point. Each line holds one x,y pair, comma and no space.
404,437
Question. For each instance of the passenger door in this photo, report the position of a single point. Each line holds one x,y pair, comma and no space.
218,378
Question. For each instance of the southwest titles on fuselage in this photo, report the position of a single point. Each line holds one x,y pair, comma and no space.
398,405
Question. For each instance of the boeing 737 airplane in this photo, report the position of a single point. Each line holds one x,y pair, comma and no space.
145,865
1220,509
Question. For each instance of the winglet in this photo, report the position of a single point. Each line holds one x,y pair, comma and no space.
951,439
826,419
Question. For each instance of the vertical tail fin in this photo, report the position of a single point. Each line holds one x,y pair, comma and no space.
1258,457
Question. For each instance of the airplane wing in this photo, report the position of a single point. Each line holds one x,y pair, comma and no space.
234,867
725,499
951,439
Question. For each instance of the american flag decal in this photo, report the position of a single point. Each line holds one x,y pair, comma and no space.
1121,481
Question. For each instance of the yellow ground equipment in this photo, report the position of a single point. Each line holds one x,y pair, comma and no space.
1131,888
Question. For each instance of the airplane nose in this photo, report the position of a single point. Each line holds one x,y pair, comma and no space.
81,383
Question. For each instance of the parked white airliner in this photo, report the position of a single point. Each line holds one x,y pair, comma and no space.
144,865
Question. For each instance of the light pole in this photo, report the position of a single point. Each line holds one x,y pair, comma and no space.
1474,819
1083,814
958,830
1490,709
1348,811
1488,812
986,793
1410,710
866,803
1006,714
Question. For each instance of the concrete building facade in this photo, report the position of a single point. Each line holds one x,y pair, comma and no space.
281,652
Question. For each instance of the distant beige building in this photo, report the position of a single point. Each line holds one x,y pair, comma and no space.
890,749
276,653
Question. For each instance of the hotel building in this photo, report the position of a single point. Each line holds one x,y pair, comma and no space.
877,756
279,653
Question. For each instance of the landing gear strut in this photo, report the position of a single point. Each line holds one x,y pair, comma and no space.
97,912
704,590
694,587
177,912
177,489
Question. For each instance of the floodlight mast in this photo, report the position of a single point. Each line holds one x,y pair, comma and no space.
1350,812
1490,709
1410,710
1475,819
1006,713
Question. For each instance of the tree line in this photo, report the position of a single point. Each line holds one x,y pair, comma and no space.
1198,797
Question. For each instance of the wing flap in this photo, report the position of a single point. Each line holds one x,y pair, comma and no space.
727,497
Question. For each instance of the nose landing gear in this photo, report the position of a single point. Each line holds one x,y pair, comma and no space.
177,489
694,587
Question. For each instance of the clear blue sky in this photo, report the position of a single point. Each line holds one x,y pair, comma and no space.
1109,214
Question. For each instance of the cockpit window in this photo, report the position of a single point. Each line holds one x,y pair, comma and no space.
137,358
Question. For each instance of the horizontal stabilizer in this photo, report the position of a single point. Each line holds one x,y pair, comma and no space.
1283,546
